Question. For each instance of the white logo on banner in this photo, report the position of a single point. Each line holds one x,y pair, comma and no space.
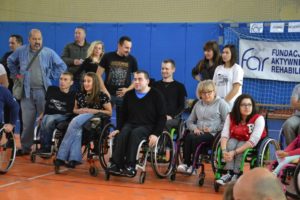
256,27
294,27
277,27
270,60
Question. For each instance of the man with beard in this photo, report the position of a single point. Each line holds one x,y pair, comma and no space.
37,66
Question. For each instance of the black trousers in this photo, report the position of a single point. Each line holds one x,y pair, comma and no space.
126,144
191,141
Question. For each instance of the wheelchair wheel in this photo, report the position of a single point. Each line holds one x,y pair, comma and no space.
297,180
7,151
266,151
142,177
288,179
214,152
93,171
163,155
105,145
201,179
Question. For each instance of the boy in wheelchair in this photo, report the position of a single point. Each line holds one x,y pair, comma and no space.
90,101
59,106
243,129
144,116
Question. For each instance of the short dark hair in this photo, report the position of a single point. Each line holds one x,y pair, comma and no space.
68,74
235,113
123,39
233,52
169,60
19,38
146,74
81,27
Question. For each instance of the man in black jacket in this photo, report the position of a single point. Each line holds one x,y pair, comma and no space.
144,117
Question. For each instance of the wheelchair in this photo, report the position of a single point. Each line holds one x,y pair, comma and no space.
160,156
260,156
7,150
92,130
198,158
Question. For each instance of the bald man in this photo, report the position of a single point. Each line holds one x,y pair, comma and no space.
44,67
258,184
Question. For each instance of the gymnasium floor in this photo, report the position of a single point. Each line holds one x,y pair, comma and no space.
27,180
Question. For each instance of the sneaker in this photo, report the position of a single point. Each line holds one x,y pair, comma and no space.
58,162
20,152
114,169
129,171
224,179
72,164
182,168
234,177
192,171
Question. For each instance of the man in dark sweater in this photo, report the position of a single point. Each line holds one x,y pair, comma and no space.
144,117
58,107
173,92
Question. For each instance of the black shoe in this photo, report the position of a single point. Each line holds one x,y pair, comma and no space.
20,152
43,151
129,171
9,144
58,163
114,169
72,164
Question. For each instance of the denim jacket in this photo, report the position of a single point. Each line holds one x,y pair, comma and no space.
51,66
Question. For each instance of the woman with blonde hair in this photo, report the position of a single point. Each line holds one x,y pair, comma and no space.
205,121
91,64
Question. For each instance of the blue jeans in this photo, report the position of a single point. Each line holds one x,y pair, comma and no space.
47,127
31,107
70,148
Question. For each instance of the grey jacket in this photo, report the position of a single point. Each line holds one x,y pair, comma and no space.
208,115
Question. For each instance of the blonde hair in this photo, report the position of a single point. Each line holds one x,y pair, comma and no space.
205,86
91,49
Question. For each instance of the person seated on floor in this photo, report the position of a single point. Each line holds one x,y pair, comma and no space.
7,100
205,121
144,117
58,107
90,101
174,93
243,129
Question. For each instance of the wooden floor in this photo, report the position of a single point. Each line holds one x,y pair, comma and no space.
27,180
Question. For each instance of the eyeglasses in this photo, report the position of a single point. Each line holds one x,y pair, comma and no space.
244,105
207,92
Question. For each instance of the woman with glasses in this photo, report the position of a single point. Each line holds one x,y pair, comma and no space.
206,119
228,77
243,129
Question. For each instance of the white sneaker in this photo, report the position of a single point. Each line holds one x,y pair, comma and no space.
191,171
224,179
182,168
235,177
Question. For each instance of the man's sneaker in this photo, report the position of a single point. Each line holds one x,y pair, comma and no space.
182,168
129,171
192,171
224,179
114,169
234,177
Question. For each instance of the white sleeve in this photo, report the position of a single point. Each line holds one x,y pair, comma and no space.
259,126
238,74
2,70
226,127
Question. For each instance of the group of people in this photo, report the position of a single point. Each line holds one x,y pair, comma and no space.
142,110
